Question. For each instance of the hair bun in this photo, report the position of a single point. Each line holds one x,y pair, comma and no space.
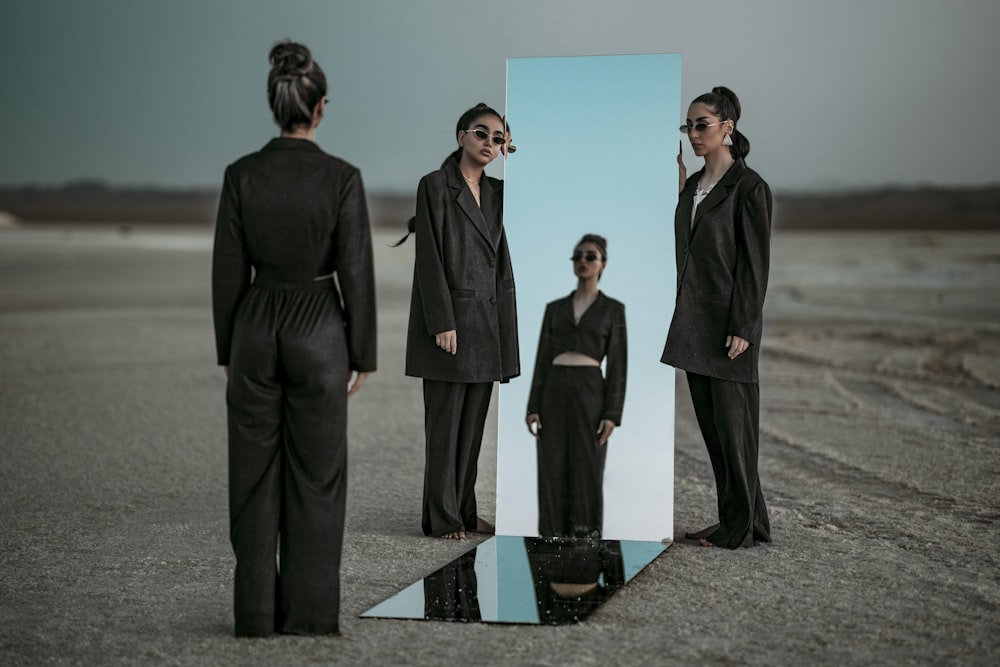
290,58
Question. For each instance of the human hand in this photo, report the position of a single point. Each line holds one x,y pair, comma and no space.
447,341
736,345
682,172
604,430
534,423
355,387
226,370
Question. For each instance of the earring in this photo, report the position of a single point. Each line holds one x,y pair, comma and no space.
727,140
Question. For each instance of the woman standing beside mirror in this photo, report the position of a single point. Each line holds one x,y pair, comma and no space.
722,230
462,334
572,409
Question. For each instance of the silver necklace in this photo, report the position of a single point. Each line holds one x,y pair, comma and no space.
700,191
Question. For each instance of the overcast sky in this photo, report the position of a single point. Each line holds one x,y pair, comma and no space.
835,94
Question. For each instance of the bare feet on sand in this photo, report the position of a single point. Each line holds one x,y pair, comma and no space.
482,526
704,532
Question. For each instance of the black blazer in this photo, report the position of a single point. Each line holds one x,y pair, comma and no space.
292,212
722,267
462,280
599,334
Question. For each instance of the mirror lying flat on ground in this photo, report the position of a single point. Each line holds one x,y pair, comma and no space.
530,580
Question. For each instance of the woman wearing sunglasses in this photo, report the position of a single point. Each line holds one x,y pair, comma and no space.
293,294
462,333
723,228
572,410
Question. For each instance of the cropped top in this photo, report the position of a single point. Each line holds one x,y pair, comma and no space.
600,334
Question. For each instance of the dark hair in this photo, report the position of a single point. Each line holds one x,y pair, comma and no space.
295,85
463,123
600,242
724,104
597,240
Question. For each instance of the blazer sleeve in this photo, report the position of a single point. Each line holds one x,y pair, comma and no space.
753,256
435,293
355,271
543,363
230,266
616,368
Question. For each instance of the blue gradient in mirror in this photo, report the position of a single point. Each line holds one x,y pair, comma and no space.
528,580
597,143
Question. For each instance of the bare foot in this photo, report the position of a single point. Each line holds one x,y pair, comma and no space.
484,526
705,543
704,532
453,536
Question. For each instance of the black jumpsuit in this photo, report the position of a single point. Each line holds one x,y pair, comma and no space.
294,306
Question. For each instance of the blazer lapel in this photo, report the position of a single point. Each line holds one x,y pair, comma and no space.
467,202
685,200
489,206
719,192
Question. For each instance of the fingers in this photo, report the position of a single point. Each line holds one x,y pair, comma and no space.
736,345
604,430
359,380
447,341
534,423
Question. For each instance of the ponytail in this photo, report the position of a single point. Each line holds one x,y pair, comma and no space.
726,105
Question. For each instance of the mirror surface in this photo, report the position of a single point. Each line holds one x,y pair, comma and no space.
597,143
533,580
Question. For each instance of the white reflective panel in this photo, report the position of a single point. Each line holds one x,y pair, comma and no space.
596,141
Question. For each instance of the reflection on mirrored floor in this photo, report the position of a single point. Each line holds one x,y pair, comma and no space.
539,580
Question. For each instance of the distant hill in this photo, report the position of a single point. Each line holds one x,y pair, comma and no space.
927,207
884,209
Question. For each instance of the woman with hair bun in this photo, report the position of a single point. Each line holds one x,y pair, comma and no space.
723,231
576,405
294,304
462,334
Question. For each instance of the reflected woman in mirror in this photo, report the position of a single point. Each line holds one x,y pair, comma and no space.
572,409
462,334
293,294
723,231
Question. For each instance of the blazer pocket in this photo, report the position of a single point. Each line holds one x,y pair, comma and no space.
463,294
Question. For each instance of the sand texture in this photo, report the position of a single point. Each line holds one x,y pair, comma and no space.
880,461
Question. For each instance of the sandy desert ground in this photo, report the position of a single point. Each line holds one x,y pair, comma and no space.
880,457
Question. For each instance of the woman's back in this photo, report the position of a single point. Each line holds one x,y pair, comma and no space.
292,198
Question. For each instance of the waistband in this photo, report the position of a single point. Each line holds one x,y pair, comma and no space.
318,283
577,369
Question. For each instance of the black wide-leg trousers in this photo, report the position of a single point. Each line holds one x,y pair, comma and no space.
570,456
454,420
287,408
728,415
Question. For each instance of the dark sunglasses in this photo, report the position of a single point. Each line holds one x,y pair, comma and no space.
699,127
590,257
484,135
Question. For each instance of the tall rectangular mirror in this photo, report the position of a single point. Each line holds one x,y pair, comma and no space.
596,141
